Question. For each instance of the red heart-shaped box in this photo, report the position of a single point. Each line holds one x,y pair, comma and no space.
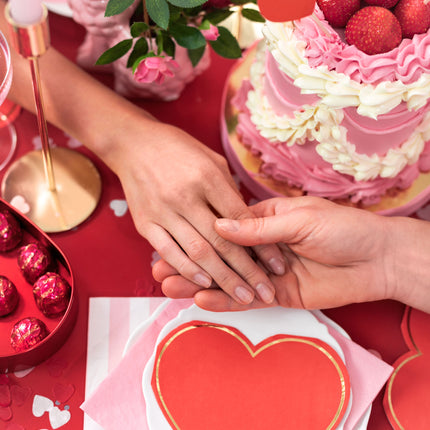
210,376
59,328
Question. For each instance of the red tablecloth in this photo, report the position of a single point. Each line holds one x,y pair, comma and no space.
109,258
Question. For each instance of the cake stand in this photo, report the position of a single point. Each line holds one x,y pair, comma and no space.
247,166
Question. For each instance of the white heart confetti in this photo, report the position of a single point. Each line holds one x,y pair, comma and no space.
21,204
41,404
119,207
23,373
58,418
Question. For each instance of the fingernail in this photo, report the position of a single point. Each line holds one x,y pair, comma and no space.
277,266
202,280
228,224
244,295
265,292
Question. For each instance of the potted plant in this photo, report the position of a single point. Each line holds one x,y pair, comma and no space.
155,47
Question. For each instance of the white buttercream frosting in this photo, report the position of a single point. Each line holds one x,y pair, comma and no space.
338,90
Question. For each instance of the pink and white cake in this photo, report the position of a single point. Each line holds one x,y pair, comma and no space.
329,120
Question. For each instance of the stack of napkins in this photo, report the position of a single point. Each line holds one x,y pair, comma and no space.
190,369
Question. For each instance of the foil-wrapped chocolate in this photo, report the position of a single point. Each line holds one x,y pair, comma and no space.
10,231
9,296
27,333
34,260
52,294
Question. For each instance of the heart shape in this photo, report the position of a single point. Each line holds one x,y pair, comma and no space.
63,392
407,395
211,376
41,404
5,397
20,203
5,413
58,417
23,373
119,207
20,394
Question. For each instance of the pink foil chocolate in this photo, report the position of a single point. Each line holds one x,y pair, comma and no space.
52,294
10,231
34,260
9,296
27,333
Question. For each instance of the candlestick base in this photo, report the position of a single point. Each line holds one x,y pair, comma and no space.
76,195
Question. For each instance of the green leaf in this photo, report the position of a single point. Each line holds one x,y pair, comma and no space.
218,15
158,10
252,15
195,55
226,45
205,25
168,45
187,3
140,49
115,7
175,12
188,37
117,51
137,28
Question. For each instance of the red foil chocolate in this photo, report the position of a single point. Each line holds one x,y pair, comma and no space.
9,296
52,294
10,231
27,333
34,260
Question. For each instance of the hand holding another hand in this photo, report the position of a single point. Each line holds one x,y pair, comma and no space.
335,255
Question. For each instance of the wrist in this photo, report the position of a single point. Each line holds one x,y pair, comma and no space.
408,263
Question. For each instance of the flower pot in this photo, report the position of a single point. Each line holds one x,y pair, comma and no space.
104,32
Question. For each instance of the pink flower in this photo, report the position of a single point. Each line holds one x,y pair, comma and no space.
155,69
211,34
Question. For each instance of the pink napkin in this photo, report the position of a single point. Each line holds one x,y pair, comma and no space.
118,402
367,373
115,408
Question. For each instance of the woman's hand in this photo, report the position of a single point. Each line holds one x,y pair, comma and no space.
176,188
335,255
174,185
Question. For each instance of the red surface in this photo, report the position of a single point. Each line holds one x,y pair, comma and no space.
109,258
222,365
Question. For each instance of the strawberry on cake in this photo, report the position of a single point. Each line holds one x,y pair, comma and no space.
337,104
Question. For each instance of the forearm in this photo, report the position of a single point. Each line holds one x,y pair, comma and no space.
73,100
409,261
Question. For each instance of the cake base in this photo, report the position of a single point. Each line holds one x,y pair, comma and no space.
247,166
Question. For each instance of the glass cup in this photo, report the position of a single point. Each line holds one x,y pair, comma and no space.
8,110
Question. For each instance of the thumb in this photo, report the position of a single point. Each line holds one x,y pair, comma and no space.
255,231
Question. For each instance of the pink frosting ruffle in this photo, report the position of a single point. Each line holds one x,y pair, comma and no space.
406,63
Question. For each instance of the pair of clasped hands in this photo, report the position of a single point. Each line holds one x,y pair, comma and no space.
326,255
306,252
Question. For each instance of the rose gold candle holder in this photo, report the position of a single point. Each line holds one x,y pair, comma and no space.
59,187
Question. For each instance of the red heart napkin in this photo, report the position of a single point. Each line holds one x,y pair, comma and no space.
210,376
407,397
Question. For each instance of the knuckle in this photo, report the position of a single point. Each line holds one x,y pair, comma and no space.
198,249
250,272
222,246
